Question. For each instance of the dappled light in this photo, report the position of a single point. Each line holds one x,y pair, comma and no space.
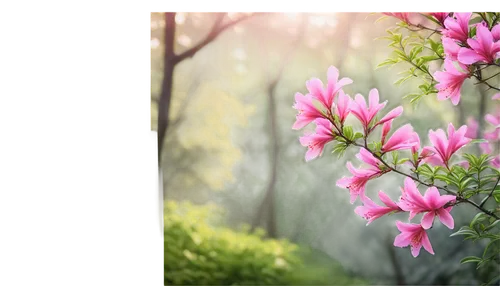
271,172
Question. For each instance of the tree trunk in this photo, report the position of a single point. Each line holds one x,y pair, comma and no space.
164,106
267,206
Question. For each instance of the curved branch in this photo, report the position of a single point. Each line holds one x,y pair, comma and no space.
459,198
216,30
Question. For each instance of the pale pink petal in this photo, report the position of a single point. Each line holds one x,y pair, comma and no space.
431,198
492,119
407,227
373,97
427,220
385,130
312,153
497,96
446,218
344,182
495,32
387,201
443,200
450,67
315,88
391,115
402,240
332,74
427,244
468,56
367,157
484,36
415,249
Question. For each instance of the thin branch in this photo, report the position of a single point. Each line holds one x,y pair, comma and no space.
459,198
491,193
217,28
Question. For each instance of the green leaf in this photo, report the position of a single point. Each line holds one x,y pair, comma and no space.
403,79
388,62
357,135
477,218
466,231
402,161
348,132
415,51
395,157
470,259
492,242
477,141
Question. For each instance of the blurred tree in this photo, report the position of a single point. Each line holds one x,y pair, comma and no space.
267,206
171,59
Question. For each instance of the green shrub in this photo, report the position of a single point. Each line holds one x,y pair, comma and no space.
197,252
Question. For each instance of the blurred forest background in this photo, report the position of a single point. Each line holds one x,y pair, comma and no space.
229,150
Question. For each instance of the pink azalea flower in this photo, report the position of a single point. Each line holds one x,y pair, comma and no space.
450,82
440,16
343,106
403,16
307,111
451,48
316,142
385,130
495,32
446,147
415,138
391,115
457,27
371,211
400,140
326,96
493,138
483,48
356,184
496,96
472,128
365,113
413,235
496,162
432,203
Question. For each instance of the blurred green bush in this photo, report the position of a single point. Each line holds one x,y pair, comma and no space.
198,252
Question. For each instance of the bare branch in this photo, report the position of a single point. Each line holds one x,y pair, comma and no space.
217,28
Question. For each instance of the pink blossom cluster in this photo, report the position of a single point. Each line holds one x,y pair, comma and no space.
328,107
461,51
491,134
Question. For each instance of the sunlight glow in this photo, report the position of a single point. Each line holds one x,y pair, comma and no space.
184,40
241,69
238,29
155,43
239,54
180,18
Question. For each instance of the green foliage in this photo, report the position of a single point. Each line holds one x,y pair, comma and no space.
418,51
199,253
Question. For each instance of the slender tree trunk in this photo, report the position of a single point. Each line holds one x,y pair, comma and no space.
398,273
267,206
164,106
